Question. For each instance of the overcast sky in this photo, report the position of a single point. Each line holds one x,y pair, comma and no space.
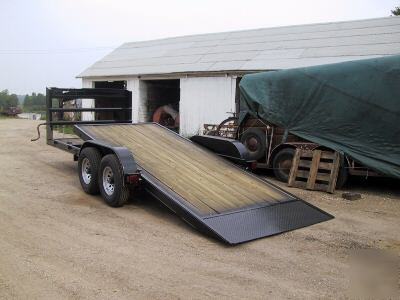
48,42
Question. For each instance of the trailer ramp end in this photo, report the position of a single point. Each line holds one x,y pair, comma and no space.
251,224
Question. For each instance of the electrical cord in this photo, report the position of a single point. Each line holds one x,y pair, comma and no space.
38,131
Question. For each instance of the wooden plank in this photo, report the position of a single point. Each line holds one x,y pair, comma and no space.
324,177
305,163
328,155
294,167
325,166
303,174
320,187
232,173
206,181
321,166
300,184
180,178
334,173
313,169
324,154
306,153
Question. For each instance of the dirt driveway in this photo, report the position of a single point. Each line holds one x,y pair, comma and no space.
57,242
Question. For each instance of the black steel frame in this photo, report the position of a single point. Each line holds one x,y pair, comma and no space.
64,95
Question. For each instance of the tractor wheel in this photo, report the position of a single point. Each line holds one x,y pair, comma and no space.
282,163
254,139
343,175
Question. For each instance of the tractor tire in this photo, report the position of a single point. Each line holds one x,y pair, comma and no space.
282,163
254,139
88,169
111,182
342,176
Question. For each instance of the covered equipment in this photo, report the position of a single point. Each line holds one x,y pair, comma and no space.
351,107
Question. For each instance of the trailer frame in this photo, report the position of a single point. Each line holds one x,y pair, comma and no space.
231,226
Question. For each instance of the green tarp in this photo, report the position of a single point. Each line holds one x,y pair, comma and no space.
351,107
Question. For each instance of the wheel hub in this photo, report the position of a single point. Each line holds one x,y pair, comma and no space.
108,181
285,165
252,144
86,171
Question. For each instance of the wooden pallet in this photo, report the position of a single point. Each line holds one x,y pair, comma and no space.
314,170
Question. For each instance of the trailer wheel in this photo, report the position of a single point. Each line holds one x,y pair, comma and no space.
111,182
88,168
254,139
282,163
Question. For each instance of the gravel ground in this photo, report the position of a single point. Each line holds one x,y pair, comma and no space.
56,242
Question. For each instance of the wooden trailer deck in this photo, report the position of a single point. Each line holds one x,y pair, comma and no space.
209,183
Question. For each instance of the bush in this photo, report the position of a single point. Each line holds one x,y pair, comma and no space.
7,100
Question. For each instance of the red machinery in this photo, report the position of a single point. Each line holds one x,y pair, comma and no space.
166,116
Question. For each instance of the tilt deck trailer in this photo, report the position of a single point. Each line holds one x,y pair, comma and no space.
210,193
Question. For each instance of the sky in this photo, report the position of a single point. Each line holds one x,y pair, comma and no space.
49,42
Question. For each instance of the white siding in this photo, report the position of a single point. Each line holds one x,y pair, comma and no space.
87,103
142,104
133,86
205,100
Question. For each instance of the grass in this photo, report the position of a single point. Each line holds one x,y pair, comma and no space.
3,117
67,129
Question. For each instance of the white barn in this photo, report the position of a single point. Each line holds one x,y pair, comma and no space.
200,73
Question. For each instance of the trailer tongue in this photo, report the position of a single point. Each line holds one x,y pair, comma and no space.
213,195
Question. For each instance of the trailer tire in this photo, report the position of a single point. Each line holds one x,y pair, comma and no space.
111,182
88,169
254,139
280,163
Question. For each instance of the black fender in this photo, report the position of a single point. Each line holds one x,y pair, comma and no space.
124,155
231,149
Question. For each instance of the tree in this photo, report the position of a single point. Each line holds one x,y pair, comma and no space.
13,100
35,102
396,11
3,97
7,100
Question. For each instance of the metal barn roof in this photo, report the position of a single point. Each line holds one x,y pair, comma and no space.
252,50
